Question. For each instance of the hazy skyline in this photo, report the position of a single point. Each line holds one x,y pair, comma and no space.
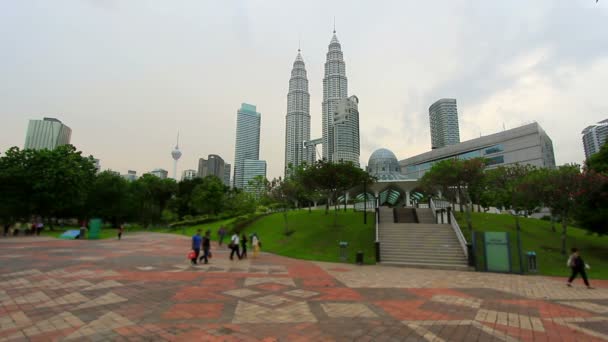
125,76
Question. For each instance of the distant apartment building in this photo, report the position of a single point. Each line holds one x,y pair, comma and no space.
47,133
130,175
443,117
189,174
160,173
526,145
251,170
594,137
247,145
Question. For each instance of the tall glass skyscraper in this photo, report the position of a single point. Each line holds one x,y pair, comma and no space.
335,88
47,133
443,116
594,137
298,116
247,140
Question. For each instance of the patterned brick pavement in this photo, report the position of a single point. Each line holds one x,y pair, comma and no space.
143,289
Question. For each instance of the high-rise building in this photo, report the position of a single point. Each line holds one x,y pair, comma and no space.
443,116
297,129
160,173
346,131
47,133
215,166
251,170
97,164
188,174
247,141
227,174
594,137
202,168
130,176
335,88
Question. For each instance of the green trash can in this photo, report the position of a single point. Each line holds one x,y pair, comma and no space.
94,228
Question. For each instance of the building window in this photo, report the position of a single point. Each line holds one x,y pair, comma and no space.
494,149
495,160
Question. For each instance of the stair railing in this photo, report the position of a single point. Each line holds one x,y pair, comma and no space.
377,244
459,235
433,209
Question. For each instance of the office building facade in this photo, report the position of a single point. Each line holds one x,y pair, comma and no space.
251,170
47,133
226,177
131,175
443,117
594,137
189,174
297,128
160,173
346,131
247,141
526,145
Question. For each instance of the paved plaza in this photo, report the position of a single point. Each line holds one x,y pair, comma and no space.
143,289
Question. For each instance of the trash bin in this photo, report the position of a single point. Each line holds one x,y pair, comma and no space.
359,258
532,267
343,245
83,232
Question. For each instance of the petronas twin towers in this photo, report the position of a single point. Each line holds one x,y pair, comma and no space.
340,114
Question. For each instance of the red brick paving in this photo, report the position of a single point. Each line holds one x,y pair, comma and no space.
151,293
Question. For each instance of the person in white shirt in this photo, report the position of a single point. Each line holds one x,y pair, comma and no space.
255,242
234,246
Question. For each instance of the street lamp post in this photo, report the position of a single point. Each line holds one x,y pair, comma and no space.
364,202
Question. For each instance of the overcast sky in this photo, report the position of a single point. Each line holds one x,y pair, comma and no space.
127,75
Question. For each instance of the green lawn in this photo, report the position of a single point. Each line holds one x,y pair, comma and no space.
109,233
536,235
315,237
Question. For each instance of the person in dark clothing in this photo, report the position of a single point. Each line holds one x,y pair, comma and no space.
206,247
196,246
577,264
244,246
121,229
221,232
7,227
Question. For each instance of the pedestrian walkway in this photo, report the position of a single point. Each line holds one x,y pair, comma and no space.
143,288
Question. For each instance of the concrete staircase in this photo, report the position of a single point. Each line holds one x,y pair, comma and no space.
424,245
425,215
405,215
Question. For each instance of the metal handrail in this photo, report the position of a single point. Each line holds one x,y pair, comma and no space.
433,208
459,235
377,225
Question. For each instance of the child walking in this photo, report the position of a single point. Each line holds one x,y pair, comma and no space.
577,264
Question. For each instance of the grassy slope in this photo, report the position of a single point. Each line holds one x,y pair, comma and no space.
537,236
315,237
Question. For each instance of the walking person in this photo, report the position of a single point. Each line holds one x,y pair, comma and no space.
244,246
234,246
221,232
196,246
255,242
121,230
7,227
577,264
206,247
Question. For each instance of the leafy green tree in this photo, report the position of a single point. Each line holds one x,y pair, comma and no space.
15,185
181,204
110,198
598,162
151,196
208,197
238,202
591,200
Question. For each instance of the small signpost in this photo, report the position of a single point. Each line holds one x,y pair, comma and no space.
94,228
497,252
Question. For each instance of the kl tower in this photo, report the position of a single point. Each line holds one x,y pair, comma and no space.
176,154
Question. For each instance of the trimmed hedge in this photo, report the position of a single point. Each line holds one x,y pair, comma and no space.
199,220
243,221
